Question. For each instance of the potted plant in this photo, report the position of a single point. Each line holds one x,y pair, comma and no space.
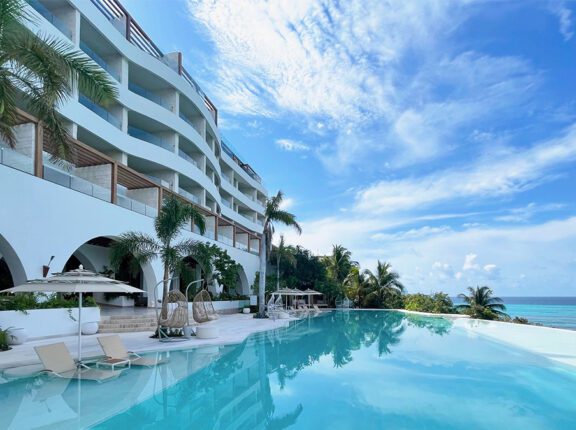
4,338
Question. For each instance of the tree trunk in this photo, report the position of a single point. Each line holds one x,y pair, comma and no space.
262,280
164,313
278,273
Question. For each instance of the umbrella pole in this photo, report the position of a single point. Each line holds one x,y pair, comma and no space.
79,329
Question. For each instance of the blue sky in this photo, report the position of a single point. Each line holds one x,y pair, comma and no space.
437,135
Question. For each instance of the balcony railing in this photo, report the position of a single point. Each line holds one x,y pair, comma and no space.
137,89
227,203
68,180
99,60
49,16
12,158
189,195
136,206
114,11
138,133
225,239
100,111
241,246
186,157
246,167
190,122
159,181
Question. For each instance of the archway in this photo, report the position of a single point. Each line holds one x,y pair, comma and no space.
243,286
11,269
94,255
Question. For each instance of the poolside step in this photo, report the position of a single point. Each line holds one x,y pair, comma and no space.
126,323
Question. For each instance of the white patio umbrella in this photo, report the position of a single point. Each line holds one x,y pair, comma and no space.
75,281
309,292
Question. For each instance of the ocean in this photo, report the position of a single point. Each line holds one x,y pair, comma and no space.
559,312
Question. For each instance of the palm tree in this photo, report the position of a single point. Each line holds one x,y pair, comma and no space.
282,252
273,213
339,264
382,288
45,69
482,304
173,216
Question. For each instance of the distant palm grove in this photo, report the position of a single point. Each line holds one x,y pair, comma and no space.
339,277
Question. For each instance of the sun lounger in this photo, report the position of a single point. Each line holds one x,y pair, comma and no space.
316,308
114,349
57,360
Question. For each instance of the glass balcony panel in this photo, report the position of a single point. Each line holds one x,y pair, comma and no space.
100,111
99,60
186,157
49,16
138,133
12,158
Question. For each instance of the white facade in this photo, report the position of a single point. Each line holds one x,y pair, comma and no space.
161,138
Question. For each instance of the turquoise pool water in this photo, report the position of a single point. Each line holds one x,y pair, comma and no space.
342,370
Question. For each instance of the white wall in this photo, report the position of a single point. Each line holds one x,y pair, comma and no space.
39,219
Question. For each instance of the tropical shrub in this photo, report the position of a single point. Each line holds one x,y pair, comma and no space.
481,304
4,338
24,302
438,303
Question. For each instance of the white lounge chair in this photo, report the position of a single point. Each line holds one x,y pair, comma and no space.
57,360
114,349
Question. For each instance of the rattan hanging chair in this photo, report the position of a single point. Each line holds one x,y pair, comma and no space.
178,316
202,308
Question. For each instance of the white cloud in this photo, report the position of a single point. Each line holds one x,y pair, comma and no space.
287,203
470,262
493,176
525,213
291,145
312,60
566,26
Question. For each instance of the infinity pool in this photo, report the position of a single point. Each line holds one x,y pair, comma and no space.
341,370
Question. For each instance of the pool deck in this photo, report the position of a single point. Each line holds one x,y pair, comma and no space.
22,360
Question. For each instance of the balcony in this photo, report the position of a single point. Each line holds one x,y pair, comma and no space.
100,111
99,60
190,122
136,206
49,16
189,195
67,179
138,133
12,158
141,91
227,203
158,181
226,147
186,157
225,239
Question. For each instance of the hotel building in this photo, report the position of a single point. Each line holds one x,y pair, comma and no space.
161,138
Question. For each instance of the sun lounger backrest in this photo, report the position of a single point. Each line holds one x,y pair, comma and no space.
56,357
113,346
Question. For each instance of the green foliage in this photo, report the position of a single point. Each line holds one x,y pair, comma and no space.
270,284
438,303
224,295
4,338
338,264
272,214
45,69
382,289
24,302
481,304
141,248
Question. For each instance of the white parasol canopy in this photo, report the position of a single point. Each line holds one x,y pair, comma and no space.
75,281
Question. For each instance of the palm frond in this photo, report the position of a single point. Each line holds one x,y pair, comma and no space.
142,247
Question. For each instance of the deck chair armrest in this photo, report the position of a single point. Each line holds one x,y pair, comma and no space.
134,354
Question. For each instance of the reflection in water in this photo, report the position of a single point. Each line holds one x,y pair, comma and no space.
349,369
